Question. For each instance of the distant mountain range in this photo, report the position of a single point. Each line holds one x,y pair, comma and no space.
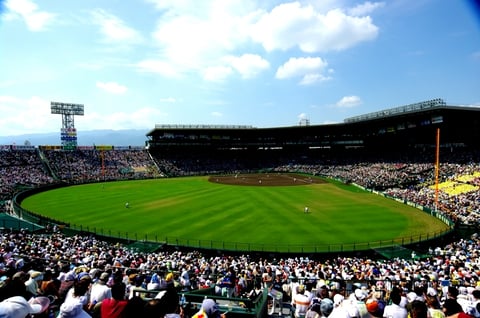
127,137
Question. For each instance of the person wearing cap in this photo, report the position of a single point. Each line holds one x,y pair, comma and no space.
154,283
209,309
356,304
67,280
301,302
326,307
99,290
339,308
73,309
32,282
18,307
170,299
433,304
375,307
42,301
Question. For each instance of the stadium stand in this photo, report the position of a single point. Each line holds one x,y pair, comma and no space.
388,152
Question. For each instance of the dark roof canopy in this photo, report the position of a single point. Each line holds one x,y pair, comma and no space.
408,126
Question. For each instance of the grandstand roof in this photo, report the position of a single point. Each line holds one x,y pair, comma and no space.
407,126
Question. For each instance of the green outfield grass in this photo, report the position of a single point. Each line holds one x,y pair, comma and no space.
193,211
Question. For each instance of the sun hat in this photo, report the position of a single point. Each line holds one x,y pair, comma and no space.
72,309
337,299
40,300
18,307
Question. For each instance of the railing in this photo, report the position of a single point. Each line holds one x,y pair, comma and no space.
257,247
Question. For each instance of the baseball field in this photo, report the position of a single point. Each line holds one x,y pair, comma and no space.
267,212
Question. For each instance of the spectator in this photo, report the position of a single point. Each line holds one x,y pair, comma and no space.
99,291
418,309
114,307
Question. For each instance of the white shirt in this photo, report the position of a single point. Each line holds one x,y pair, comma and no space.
395,311
301,303
99,292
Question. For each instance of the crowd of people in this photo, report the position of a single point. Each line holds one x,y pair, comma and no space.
51,274
81,276
86,165
20,169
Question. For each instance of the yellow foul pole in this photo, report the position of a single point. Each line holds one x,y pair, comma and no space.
437,166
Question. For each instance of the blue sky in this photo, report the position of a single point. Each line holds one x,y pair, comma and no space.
137,63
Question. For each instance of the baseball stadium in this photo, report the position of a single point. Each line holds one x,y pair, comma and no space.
397,183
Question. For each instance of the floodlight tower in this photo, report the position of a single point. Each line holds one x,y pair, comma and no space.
68,133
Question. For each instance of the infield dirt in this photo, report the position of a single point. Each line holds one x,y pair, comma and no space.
266,179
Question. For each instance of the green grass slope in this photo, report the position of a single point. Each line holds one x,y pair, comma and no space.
195,211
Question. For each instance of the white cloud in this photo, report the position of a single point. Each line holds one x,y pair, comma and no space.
206,37
35,19
115,29
138,119
308,68
198,35
292,24
248,65
216,114
302,116
349,101
112,87
299,66
217,73
157,66
365,8
303,120
33,115
24,116
312,78
194,39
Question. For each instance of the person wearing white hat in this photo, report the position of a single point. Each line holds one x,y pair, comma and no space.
339,307
72,309
18,307
32,284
